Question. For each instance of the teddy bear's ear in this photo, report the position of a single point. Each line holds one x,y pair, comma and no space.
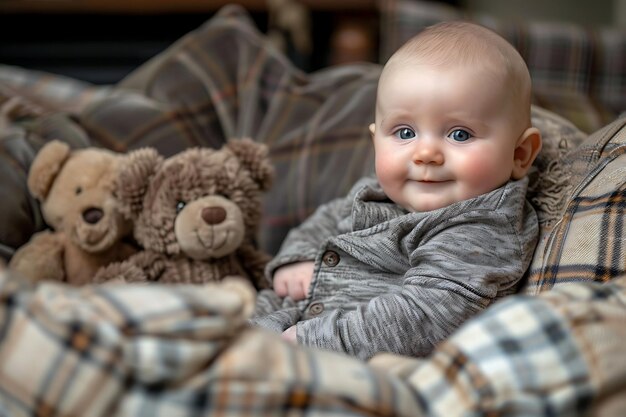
46,166
254,156
136,170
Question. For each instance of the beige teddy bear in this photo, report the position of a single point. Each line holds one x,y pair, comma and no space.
195,214
75,191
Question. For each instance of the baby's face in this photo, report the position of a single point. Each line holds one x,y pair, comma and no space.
442,135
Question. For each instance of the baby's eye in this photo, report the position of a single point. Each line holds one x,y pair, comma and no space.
459,135
404,133
179,206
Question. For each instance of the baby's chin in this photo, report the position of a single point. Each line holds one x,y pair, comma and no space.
433,202
423,205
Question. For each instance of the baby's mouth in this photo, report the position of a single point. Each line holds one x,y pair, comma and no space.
432,181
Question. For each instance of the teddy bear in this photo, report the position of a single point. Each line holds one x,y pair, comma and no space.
195,214
75,192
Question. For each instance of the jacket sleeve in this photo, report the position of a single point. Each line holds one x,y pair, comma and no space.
454,275
303,242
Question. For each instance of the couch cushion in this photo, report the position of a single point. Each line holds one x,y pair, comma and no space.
587,242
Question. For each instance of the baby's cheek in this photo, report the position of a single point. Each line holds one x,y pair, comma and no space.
487,173
385,169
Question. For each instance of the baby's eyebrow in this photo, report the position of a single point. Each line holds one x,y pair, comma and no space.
394,116
469,121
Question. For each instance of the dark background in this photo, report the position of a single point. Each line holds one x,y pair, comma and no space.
102,48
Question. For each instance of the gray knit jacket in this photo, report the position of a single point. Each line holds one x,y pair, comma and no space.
386,280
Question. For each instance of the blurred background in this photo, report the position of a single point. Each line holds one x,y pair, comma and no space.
101,41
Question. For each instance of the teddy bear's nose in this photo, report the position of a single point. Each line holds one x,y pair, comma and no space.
213,215
92,215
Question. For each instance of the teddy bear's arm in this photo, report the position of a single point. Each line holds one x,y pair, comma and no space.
145,266
152,264
254,261
42,258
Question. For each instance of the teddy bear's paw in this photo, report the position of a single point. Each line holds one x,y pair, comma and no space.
123,272
115,281
109,274
243,288
42,258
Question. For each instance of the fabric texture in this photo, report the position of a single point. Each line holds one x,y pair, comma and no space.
98,350
401,282
578,72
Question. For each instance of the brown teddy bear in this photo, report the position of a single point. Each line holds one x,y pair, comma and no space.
75,191
195,214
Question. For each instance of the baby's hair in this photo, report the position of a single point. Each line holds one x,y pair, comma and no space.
464,43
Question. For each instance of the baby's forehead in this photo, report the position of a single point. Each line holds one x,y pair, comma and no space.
472,57
477,86
474,71
485,53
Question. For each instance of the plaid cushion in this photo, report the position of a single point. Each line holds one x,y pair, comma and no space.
50,92
577,72
587,243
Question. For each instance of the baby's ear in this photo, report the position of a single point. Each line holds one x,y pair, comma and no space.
527,149
372,128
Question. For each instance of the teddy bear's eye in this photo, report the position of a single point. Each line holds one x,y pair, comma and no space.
179,206
79,190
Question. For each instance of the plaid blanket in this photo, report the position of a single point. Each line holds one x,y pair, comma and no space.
183,351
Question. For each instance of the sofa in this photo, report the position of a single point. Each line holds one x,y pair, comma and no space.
554,349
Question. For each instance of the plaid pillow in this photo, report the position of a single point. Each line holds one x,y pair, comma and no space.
587,243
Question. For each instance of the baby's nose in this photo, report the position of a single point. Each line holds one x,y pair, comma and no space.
428,153
213,215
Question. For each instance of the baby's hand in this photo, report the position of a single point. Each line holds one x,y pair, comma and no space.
290,334
294,280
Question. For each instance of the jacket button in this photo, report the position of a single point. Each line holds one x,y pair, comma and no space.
330,258
316,308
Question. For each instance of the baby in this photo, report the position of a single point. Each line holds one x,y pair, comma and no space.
443,231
